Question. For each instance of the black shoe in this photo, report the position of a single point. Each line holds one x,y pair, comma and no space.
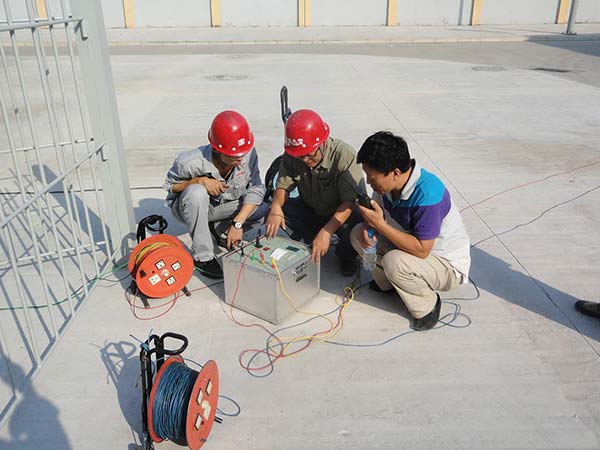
374,286
591,309
349,267
428,322
210,269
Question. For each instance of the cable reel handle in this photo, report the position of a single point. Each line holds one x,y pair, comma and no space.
147,223
286,112
178,337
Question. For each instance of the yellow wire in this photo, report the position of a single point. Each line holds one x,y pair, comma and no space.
144,251
291,301
333,331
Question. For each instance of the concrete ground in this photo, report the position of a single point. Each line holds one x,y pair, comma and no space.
486,117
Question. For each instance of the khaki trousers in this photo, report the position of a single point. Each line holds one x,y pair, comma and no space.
416,280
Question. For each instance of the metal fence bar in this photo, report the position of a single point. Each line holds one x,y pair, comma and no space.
15,108
13,262
44,235
70,135
65,251
84,126
7,236
74,222
104,115
49,186
29,115
51,110
15,25
62,144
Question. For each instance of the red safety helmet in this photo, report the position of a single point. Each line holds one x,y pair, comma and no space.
230,134
304,132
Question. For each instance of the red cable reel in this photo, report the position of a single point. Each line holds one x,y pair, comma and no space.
159,265
201,407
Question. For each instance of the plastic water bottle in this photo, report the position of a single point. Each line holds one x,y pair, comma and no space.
370,255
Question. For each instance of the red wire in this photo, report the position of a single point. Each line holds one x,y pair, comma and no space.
272,355
529,183
276,356
170,303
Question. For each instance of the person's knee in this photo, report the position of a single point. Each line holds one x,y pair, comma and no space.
396,262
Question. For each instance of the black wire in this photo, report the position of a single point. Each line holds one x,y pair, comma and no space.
454,316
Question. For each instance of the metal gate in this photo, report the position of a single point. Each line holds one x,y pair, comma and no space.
65,207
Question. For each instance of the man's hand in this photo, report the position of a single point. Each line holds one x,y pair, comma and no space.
320,245
274,221
374,217
234,236
364,238
213,187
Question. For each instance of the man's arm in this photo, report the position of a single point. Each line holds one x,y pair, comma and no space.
320,244
407,242
341,214
276,218
213,187
180,187
235,235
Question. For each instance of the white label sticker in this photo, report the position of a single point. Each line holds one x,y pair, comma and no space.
278,254
241,142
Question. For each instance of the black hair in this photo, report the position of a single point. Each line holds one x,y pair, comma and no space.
384,152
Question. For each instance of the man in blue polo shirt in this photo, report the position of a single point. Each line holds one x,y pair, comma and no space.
422,243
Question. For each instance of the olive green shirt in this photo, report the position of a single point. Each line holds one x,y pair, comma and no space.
336,179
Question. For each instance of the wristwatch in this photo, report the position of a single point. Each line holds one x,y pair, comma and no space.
237,225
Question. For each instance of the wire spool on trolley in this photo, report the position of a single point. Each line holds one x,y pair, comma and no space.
179,404
159,265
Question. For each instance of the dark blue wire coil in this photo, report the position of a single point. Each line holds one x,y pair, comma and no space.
171,401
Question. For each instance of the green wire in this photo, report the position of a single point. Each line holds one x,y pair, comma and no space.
93,282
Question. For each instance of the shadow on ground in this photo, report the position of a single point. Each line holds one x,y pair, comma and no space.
25,434
495,276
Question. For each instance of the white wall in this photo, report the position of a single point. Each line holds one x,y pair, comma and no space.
244,13
435,12
349,12
497,12
114,16
588,11
171,13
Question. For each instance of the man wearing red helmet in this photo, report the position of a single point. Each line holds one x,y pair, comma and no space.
328,179
219,182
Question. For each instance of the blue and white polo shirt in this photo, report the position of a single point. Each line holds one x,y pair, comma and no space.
425,210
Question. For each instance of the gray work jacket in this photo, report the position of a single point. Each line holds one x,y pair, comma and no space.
244,181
